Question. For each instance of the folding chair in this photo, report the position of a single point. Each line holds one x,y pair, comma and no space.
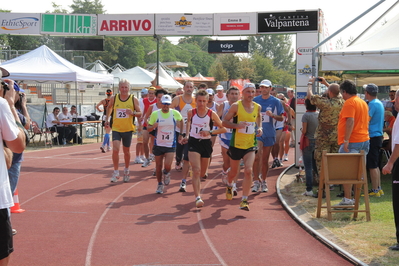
343,169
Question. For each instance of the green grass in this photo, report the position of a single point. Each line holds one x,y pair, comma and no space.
369,241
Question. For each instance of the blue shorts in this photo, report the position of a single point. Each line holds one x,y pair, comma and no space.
225,143
267,141
356,147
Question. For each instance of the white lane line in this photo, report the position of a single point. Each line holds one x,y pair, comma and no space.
203,230
99,222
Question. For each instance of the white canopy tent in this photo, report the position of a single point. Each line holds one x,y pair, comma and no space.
140,78
42,65
372,58
172,83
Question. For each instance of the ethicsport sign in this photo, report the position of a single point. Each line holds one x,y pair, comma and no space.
125,24
19,23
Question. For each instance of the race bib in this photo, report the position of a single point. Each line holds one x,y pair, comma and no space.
248,129
121,113
166,135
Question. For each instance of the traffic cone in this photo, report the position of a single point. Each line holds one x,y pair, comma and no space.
16,208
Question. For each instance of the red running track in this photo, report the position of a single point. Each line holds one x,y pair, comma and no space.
75,216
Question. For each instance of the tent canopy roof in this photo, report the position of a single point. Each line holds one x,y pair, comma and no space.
44,65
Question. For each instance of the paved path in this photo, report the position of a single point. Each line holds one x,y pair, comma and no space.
75,216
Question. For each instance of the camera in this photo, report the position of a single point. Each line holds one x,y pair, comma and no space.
5,86
319,79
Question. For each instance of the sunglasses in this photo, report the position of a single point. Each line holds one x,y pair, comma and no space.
166,103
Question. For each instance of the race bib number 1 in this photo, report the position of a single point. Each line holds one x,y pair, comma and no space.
248,129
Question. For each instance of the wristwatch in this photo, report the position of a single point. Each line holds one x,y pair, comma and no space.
210,132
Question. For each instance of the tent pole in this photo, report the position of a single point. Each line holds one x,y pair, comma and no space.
314,71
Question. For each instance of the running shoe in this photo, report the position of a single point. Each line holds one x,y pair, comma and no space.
275,163
229,193
166,178
146,163
307,193
281,163
14,232
381,192
244,205
159,189
205,176
344,203
264,187
182,187
138,160
375,194
154,173
199,203
179,166
256,186
102,148
235,189
115,177
152,157
109,148
126,176
241,162
285,157
224,177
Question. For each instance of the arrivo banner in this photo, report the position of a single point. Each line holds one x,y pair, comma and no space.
183,24
126,24
288,21
234,24
20,23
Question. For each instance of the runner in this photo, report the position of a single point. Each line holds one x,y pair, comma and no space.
220,97
183,103
246,120
214,107
151,99
272,110
232,94
104,103
122,109
199,123
163,123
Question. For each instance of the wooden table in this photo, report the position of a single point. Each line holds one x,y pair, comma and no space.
97,123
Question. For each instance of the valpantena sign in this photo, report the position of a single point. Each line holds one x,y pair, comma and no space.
288,21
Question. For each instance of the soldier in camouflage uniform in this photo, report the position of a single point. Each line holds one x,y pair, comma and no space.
330,107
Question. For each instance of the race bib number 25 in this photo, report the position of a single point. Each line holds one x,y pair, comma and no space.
121,113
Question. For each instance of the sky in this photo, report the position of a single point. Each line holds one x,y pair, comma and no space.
337,12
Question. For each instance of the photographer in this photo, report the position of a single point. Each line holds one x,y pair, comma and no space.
13,136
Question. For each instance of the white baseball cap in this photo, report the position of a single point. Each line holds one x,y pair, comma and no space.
166,99
210,91
219,87
266,83
249,85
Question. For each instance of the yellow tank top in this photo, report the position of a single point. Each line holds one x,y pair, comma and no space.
245,138
122,122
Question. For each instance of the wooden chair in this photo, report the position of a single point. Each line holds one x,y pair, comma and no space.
343,169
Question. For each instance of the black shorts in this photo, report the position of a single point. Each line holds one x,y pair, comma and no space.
201,146
185,152
125,137
374,151
6,246
237,154
159,150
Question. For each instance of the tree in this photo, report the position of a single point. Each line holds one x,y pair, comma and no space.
218,72
247,68
57,9
276,47
87,7
231,64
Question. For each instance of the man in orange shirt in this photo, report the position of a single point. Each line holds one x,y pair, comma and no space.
353,132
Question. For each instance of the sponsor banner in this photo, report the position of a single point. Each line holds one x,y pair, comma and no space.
304,43
288,21
132,24
234,23
300,97
19,23
69,24
228,46
183,24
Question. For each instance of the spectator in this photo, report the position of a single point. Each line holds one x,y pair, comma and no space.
292,104
104,103
376,124
54,124
390,105
309,125
73,112
220,96
353,135
12,135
